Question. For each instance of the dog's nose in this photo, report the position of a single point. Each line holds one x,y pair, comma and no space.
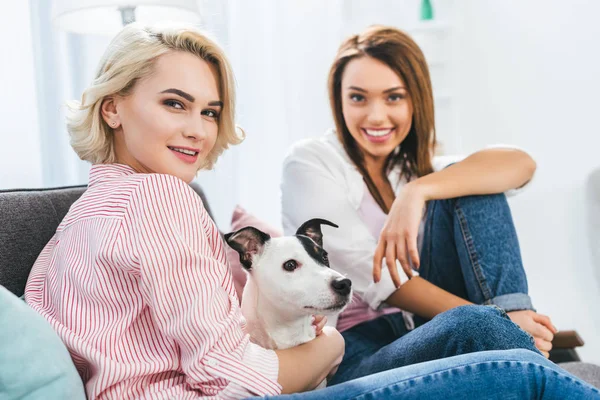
342,286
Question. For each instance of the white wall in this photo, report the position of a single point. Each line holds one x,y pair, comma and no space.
527,74
20,164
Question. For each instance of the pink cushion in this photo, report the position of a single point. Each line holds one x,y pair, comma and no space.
241,219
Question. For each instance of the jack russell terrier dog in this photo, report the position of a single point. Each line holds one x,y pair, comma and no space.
289,281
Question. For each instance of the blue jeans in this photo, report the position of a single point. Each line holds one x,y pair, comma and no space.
506,374
470,249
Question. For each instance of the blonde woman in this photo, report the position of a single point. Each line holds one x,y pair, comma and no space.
135,280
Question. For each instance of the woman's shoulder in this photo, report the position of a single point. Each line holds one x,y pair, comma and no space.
323,157
166,192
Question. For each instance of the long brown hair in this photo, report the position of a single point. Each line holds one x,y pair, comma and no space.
398,51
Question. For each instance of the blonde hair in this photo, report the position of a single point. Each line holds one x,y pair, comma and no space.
130,57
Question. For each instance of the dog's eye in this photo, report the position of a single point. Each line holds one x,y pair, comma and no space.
290,265
325,259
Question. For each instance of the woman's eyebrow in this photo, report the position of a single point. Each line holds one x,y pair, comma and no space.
385,91
181,93
393,89
190,98
357,89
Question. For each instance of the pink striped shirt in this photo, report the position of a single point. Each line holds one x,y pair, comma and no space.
136,283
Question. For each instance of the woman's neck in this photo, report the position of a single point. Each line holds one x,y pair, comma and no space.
375,167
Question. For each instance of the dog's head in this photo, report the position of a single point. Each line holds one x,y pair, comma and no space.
293,271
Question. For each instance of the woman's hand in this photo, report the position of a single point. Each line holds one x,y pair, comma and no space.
537,325
337,339
319,322
398,239
305,366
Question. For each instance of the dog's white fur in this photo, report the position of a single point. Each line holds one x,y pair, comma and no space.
278,305
278,302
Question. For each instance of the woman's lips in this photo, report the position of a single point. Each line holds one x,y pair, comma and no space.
377,135
185,157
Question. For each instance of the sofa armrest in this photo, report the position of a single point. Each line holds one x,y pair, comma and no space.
567,340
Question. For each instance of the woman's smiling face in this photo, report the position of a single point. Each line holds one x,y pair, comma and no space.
377,107
169,123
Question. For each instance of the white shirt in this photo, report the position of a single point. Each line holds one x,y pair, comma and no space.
320,181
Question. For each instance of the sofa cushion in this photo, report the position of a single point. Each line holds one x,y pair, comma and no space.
35,364
584,371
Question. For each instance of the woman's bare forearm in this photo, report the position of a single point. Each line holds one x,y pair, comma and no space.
488,171
303,367
424,298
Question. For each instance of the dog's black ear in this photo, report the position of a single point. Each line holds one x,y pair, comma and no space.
247,242
312,229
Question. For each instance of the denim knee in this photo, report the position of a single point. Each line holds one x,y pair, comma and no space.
483,200
487,200
480,328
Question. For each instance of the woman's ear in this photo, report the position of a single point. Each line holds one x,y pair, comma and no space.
109,112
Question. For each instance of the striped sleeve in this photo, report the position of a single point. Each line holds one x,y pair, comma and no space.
183,280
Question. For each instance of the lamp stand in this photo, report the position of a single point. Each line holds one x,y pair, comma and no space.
127,14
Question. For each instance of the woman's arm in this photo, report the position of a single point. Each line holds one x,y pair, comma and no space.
427,300
182,271
304,367
487,171
424,298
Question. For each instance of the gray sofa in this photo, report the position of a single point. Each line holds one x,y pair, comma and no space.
29,218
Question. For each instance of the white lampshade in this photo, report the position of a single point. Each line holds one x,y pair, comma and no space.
104,16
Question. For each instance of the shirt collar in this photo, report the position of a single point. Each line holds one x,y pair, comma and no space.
99,172
393,176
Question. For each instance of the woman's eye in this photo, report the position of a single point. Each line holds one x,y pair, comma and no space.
211,113
174,104
290,265
357,98
395,97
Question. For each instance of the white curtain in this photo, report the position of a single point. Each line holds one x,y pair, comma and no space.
281,52
65,64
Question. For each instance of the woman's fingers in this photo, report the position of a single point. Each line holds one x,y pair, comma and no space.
413,251
378,260
401,254
319,322
545,320
543,345
390,260
395,247
540,331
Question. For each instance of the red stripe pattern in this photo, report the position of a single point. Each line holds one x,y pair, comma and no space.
136,283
